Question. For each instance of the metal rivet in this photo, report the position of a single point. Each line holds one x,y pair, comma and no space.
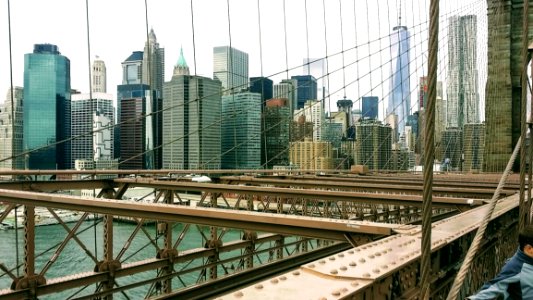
376,271
371,256
377,254
358,250
311,266
334,271
354,283
384,267
343,268
341,255
274,281
283,278
238,294
344,290
259,286
352,264
336,293
332,258
296,273
321,261
351,252
366,275
362,260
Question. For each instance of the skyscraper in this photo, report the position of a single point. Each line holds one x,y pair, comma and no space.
11,130
230,66
241,131
83,122
131,108
153,75
287,89
99,76
306,89
277,120
263,86
373,145
313,112
47,108
400,91
463,97
370,107
191,121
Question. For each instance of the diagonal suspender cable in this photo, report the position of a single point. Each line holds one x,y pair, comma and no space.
429,145
12,122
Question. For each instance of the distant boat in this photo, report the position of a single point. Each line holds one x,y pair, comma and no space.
6,226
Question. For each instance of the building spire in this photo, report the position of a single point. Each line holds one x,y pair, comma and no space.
181,67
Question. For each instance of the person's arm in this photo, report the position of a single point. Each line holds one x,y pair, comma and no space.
496,290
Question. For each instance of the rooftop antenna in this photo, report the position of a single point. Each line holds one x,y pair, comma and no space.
400,14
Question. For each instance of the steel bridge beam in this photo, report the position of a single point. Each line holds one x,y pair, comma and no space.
322,228
367,198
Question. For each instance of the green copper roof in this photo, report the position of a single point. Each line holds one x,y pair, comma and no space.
181,61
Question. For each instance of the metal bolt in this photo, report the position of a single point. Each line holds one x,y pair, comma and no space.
384,267
352,264
321,261
311,266
274,281
371,256
376,271
351,252
259,286
362,260
366,275
336,293
334,271
283,278
341,255
332,258
343,268
296,273
354,283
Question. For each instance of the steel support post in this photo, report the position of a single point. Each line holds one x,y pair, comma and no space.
213,243
249,250
169,250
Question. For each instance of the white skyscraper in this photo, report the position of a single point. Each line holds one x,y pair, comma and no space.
230,66
11,130
462,89
84,109
287,89
99,80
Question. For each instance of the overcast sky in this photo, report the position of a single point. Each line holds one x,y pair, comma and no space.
118,27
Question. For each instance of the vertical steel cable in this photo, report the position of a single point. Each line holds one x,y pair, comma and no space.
12,125
429,150
523,111
342,51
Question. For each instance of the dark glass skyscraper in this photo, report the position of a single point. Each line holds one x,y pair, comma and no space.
263,86
306,89
47,108
400,95
370,107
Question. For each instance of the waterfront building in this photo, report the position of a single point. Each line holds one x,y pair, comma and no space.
462,87
230,67
400,91
276,138
311,155
99,76
306,86
46,109
11,130
191,120
373,145
241,131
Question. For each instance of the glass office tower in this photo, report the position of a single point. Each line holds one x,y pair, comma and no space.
47,108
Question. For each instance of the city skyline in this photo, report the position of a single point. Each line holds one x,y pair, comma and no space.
177,33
